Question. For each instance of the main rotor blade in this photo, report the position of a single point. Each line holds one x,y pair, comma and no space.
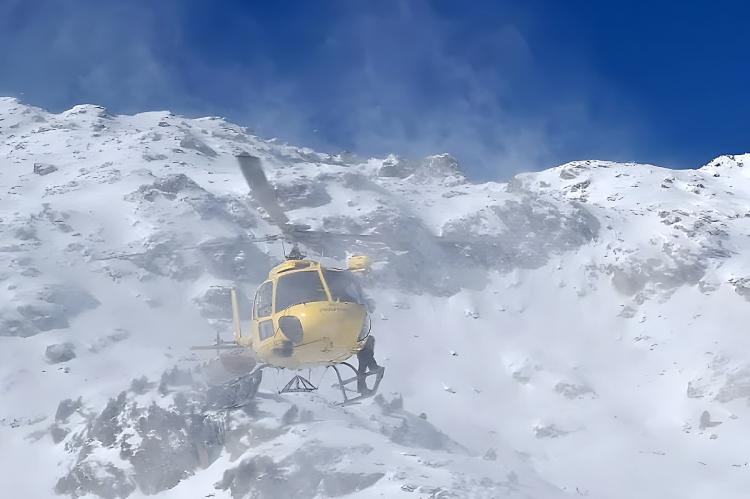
320,235
252,170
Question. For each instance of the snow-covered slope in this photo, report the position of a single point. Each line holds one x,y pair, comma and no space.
587,337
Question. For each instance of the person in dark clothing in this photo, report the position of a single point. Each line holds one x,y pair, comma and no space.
366,359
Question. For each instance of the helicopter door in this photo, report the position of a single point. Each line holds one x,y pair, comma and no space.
263,307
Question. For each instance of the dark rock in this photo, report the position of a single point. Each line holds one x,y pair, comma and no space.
741,286
174,444
140,385
306,194
168,187
290,416
190,141
66,408
58,434
397,167
44,168
216,303
549,431
339,484
27,233
99,479
170,444
73,300
706,422
16,327
237,259
253,473
175,377
109,424
44,318
573,391
60,352
106,341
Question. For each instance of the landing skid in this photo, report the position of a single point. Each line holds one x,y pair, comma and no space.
366,392
238,392
301,384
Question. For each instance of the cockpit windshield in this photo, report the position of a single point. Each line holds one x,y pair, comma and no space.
299,287
344,286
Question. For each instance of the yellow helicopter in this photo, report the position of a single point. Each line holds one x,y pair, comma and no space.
304,315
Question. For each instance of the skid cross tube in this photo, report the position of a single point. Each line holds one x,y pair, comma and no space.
298,384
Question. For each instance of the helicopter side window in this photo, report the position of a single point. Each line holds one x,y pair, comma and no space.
344,286
265,330
263,304
299,287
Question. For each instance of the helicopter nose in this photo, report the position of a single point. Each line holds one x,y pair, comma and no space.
286,349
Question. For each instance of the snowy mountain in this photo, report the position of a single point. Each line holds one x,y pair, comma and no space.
586,337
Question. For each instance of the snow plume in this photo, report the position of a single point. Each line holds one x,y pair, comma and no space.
553,336
378,75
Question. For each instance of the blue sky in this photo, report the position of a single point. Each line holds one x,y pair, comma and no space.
504,86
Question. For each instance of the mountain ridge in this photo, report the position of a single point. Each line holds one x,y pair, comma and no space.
574,339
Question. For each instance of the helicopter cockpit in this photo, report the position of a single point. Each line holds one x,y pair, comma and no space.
307,286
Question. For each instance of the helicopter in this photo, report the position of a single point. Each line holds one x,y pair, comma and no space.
304,315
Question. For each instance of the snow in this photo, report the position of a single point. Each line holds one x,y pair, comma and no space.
590,316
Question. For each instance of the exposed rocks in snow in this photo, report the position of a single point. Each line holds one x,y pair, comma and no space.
236,259
51,307
164,442
737,385
725,381
471,313
106,341
99,479
440,168
393,166
67,408
303,193
741,286
10,326
60,352
549,431
306,473
72,299
161,445
633,277
181,191
574,391
191,141
44,168
529,232
706,422
58,434
405,428
215,303
627,312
